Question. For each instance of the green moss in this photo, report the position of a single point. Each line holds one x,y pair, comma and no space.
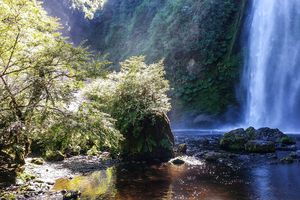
286,140
234,140
259,146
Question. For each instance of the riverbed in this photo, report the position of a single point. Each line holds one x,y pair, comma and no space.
234,176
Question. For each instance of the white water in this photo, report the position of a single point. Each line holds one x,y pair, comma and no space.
272,72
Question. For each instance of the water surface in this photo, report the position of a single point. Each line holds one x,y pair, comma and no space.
195,180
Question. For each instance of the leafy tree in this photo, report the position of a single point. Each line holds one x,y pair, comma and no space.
39,75
134,94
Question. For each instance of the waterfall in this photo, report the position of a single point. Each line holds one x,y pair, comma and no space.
271,74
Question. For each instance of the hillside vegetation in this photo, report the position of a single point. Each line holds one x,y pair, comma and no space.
197,39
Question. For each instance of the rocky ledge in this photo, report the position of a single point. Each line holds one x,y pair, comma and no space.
241,148
263,140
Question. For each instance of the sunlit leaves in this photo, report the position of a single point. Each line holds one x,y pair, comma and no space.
131,95
38,71
89,7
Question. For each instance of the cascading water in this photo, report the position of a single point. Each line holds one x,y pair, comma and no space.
272,66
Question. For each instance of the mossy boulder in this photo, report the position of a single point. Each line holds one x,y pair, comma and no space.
252,140
54,156
251,132
269,134
234,140
155,141
260,146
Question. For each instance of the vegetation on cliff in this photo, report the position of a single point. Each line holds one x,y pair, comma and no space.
197,38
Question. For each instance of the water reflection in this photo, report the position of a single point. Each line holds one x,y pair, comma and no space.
196,180
93,186
165,181
277,182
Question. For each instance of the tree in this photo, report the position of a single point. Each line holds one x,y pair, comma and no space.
137,98
37,75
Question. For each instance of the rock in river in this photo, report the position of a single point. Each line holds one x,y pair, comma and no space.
177,161
260,146
234,140
154,142
252,140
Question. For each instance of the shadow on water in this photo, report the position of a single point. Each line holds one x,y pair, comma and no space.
164,181
205,181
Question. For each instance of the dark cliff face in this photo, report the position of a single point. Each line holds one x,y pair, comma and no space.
197,38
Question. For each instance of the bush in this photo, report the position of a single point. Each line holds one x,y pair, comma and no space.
132,95
84,128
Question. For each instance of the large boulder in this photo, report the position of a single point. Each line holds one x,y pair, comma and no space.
260,146
155,141
269,134
252,140
234,140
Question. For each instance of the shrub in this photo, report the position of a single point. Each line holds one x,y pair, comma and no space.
132,95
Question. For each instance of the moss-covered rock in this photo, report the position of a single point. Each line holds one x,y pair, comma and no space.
154,142
251,132
269,134
260,141
260,146
234,140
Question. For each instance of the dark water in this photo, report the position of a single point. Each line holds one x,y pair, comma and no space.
195,180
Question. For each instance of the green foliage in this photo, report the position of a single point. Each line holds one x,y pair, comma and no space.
197,38
89,7
40,75
37,70
132,95
87,127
